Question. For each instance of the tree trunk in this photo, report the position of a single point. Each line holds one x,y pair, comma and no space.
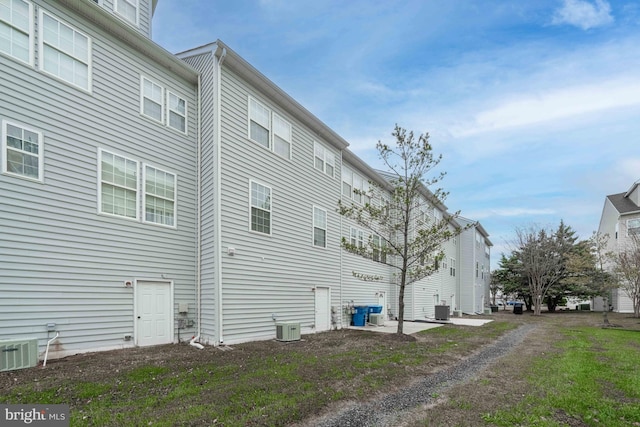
605,311
401,309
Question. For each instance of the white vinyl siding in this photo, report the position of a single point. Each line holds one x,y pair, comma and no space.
21,151
633,226
16,29
128,9
159,196
319,227
66,52
176,112
269,129
260,208
324,160
151,99
118,185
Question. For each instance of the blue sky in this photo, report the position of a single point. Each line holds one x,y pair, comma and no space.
534,105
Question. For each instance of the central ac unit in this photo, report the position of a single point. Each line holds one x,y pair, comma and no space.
288,331
376,319
18,354
442,312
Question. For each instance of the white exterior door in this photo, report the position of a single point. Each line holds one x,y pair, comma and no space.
154,316
323,310
382,300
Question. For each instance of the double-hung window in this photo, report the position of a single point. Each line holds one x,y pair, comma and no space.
347,182
269,129
155,100
128,9
259,123
633,226
319,227
66,52
152,97
22,151
379,249
176,112
118,185
281,136
452,267
354,186
260,208
16,29
159,196
324,160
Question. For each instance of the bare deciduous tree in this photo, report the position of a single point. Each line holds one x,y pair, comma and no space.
603,282
414,245
627,267
541,261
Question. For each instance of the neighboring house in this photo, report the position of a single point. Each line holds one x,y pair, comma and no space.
475,248
620,218
146,198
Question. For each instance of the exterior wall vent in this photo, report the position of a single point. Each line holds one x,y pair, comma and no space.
18,354
376,319
288,331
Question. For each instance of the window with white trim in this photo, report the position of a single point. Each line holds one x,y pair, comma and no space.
452,267
159,196
319,227
176,112
66,52
633,226
128,9
353,236
445,266
260,208
269,129
379,249
16,35
323,159
477,269
281,136
22,149
354,186
152,99
118,185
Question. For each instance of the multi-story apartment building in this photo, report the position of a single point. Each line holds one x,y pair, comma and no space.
620,218
147,197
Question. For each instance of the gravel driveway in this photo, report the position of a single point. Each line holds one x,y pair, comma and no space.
389,409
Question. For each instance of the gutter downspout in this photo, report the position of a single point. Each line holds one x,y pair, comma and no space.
218,196
199,223
342,309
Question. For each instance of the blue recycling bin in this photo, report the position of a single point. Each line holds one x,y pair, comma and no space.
360,316
375,309
359,319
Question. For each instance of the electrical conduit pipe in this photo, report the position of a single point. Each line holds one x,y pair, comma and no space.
46,353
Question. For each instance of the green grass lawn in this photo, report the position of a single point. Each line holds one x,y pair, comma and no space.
592,379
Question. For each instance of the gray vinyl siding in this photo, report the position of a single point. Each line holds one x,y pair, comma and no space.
276,274
60,260
206,63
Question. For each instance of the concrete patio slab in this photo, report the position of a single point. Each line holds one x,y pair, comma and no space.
391,326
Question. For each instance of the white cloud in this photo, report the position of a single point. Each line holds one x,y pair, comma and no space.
508,212
584,14
531,109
